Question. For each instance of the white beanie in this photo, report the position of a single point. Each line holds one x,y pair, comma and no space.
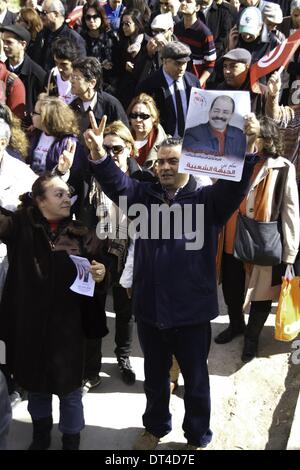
163,21
273,13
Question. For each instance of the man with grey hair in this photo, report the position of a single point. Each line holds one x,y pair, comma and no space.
53,17
170,86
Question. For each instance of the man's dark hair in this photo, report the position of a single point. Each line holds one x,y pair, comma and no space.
91,69
228,98
170,142
65,49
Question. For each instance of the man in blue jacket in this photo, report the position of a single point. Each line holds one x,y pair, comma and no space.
217,136
174,282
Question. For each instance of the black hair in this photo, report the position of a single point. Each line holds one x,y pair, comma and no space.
270,132
170,142
37,191
105,25
65,49
137,18
224,96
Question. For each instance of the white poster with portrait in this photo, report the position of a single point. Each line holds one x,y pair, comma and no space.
214,143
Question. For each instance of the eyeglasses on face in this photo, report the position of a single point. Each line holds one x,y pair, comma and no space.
91,17
114,149
45,13
76,77
139,115
35,113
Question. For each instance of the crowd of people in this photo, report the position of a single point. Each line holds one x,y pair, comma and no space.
94,97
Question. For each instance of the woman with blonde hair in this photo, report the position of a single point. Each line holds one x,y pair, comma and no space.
18,143
146,129
56,126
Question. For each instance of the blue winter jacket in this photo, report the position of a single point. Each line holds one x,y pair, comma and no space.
173,286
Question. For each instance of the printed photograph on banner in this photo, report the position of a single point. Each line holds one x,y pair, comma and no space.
214,142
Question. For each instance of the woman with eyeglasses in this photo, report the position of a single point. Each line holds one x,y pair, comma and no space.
99,38
145,128
130,55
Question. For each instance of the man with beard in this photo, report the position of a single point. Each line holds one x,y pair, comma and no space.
217,136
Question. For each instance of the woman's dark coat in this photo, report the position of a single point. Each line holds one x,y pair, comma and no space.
42,322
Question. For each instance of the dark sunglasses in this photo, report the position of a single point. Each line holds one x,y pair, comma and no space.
35,113
114,149
139,115
91,17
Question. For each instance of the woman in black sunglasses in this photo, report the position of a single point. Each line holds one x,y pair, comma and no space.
130,55
99,38
146,129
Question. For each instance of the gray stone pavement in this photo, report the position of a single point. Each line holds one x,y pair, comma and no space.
252,405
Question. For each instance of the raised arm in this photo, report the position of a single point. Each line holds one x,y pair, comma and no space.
279,113
113,181
227,195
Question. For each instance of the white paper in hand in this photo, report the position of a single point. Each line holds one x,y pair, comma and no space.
84,284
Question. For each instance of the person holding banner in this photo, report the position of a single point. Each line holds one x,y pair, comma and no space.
174,296
45,325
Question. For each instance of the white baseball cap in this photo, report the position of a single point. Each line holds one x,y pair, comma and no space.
250,21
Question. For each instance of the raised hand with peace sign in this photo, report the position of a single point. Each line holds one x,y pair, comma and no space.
66,159
94,137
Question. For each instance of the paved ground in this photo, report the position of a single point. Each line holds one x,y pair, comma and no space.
252,405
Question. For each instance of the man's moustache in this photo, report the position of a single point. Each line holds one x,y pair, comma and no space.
219,119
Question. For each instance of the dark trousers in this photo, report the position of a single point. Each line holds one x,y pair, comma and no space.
71,419
123,333
124,321
190,345
233,286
